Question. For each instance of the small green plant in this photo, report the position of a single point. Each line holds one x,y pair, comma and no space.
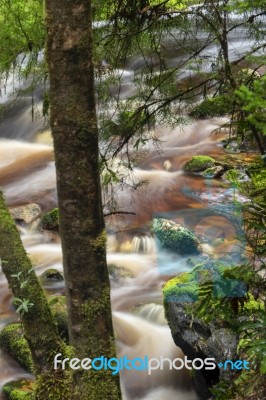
23,305
18,276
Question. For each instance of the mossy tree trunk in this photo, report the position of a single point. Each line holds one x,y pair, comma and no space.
38,323
75,134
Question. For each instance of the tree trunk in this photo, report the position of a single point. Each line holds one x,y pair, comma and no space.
75,134
39,326
225,51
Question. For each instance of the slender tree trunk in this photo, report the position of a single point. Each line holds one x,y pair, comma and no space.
39,326
74,129
225,51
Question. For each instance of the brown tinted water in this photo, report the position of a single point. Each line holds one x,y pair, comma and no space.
27,175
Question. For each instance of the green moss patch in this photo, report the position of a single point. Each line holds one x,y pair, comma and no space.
199,163
51,275
174,237
50,221
59,310
181,289
13,341
210,277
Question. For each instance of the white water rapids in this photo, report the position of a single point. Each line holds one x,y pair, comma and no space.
27,175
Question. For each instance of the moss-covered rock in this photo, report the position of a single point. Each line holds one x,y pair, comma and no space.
175,237
214,107
187,287
183,288
59,310
197,338
19,390
51,275
199,163
50,221
13,341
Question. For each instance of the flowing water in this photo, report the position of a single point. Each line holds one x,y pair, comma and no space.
28,175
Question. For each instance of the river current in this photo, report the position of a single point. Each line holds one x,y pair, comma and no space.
27,175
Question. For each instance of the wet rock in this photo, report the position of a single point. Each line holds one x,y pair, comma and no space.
175,237
50,221
118,273
196,338
13,341
199,164
213,172
26,213
193,338
51,275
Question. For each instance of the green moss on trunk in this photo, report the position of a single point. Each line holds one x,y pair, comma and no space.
13,341
40,329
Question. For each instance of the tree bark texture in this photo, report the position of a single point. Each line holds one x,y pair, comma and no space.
75,134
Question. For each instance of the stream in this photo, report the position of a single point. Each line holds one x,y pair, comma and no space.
27,175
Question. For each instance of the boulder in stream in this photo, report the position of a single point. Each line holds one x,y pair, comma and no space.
118,274
175,237
213,172
50,221
26,213
199,163
202,338
51,275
